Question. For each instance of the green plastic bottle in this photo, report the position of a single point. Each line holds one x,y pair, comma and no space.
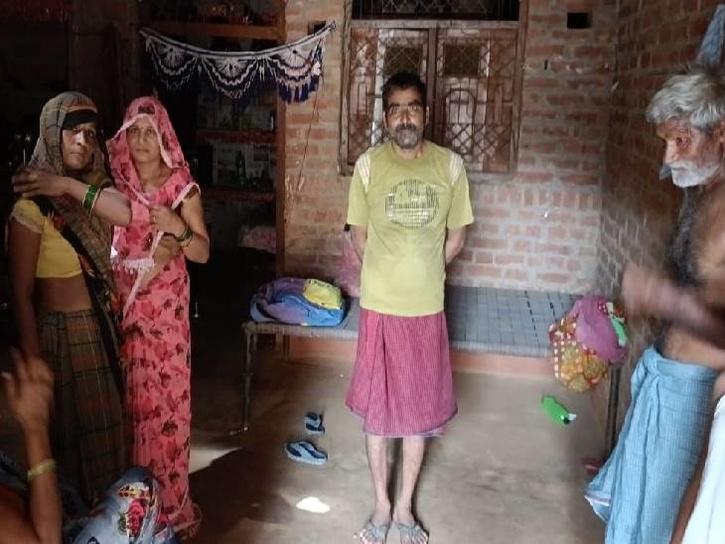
556,411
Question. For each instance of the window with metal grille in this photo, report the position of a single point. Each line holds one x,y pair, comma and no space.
471,71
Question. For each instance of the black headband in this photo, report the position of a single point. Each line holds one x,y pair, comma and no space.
78,117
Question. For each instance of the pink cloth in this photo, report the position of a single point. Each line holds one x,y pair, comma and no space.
402,382
155,329
594,328
261,237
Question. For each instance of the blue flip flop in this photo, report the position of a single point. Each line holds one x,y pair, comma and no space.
411,532
303,451
313,424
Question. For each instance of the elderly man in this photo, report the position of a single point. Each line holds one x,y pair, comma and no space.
408,209
639,489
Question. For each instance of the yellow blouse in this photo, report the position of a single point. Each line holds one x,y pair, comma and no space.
56,257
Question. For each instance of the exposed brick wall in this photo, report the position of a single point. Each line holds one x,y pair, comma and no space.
538,230
638,209
316,195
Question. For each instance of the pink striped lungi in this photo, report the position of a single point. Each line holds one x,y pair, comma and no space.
402,383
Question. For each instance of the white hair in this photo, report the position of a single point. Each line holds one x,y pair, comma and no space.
697,96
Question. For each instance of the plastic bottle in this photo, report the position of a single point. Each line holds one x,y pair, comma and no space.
556,411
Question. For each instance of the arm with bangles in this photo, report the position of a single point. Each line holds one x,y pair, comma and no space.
30,393
167,249
107,203
187,226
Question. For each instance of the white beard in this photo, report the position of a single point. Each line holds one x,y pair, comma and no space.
686,174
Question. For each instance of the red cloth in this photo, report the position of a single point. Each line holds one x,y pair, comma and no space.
402,382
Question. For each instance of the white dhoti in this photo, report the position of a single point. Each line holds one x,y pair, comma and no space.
707,523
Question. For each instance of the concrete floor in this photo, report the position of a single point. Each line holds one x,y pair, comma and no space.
503,473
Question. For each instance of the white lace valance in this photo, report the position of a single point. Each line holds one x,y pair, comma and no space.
295,67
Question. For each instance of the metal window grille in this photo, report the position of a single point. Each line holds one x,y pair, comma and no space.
470,71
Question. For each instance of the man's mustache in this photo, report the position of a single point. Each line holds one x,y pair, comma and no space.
405,126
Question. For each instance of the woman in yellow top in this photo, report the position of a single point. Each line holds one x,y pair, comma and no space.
62,286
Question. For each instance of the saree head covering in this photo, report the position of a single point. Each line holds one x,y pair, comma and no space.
177,187
65,111
89,235
156,331
82,349
122,166
93,235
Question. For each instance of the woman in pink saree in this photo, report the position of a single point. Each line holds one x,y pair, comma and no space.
148,166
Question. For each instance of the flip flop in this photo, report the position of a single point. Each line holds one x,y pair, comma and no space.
410,531
303,451
378,532
313,424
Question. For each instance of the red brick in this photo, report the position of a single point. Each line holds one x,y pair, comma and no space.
487,243
484,257
516,275
553,277
553,249
521,245
565,117
504,260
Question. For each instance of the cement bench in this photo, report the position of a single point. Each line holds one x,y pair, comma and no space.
471,324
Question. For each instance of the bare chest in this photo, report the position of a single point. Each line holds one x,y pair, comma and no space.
693,251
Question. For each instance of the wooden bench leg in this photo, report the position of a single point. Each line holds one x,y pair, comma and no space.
612,408
285,348
249,351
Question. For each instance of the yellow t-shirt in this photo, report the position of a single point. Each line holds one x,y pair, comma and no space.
406,205
56,257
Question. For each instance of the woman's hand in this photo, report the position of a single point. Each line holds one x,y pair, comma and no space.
32,182
166,220
30,391
168,249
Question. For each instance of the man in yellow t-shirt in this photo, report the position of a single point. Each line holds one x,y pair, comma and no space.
408,208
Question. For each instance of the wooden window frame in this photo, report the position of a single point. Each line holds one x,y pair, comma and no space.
433,27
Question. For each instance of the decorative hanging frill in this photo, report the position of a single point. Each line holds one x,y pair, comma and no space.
295,67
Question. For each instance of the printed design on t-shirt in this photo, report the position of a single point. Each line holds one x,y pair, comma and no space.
412,203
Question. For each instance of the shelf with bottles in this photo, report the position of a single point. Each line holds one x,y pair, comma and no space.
233,194
243,136
248,167
219,115
238,140
236,19
244,167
